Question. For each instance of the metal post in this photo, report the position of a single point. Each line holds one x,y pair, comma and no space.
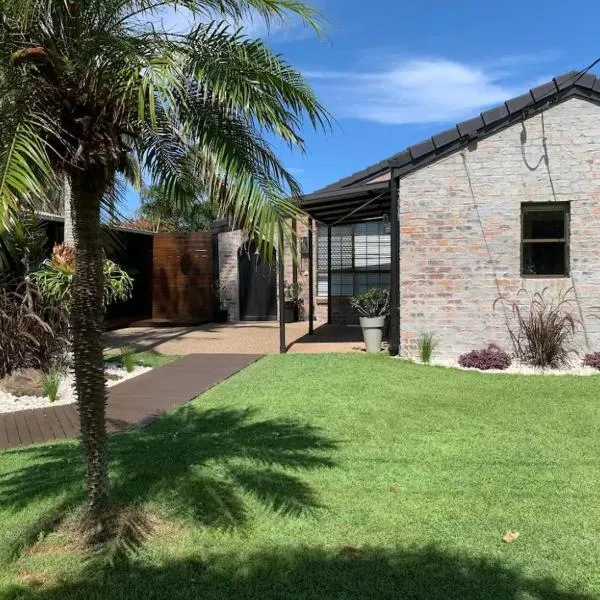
394,347
282,344
311,276
329,307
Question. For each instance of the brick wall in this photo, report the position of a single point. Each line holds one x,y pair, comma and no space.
460,249
229,243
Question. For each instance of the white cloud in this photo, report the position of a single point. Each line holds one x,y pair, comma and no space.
180,20
427,90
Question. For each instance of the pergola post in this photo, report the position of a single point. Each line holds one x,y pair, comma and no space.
394,345
282,344
311,276
329,307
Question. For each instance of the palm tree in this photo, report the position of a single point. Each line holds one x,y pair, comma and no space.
87,84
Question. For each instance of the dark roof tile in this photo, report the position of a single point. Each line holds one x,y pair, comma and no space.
471,125
543,91
421,149
494,114
519,103
446,137
401,159
587,81
566,80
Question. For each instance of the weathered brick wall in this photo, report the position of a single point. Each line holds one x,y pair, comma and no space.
229,243
460,249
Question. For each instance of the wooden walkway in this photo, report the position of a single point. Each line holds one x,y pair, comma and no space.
133,403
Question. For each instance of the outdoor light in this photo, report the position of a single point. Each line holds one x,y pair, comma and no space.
304,245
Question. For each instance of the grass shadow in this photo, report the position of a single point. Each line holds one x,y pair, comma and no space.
199,464
308,574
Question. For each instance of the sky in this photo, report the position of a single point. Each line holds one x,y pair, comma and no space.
393,72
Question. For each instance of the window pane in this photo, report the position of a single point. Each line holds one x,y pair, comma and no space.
322,284
544,258
543,224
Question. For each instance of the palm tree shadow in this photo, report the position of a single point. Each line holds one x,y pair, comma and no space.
308,574
201,464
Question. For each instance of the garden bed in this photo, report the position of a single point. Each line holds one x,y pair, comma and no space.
516,368
66,393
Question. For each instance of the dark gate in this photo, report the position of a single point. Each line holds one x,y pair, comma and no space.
258,286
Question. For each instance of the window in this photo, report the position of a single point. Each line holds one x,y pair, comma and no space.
360,258
545,240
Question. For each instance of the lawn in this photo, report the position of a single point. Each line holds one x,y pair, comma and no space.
330,476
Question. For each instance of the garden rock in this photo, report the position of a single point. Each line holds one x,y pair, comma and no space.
24,382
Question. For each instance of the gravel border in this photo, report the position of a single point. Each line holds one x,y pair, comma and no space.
66,391
516,368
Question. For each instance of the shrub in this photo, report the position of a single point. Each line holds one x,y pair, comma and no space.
55,278
427,343
592,360
33,333
51,383
490,358
127,358
373,303
544,331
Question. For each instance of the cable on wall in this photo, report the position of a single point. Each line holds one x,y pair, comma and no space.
463,154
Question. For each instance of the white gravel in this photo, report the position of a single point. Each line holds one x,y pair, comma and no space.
517,368
66,391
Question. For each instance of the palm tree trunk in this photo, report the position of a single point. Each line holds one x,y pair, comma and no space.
87,321
68,237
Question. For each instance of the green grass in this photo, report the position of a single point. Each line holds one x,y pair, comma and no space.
147,358
331,476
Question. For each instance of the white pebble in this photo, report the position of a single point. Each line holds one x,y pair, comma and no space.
66,391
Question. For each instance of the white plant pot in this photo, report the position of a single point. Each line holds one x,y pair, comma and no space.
372,328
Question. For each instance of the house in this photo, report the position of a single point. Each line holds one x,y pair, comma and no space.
505,201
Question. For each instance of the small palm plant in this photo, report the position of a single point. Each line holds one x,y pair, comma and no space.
427,343
51,383
127,358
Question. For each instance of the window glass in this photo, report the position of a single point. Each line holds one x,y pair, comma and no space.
544,240
360,258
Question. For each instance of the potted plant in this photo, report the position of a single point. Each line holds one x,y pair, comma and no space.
373,307
220,315
293,302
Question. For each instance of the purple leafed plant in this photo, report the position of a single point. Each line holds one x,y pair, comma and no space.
490,358
592,360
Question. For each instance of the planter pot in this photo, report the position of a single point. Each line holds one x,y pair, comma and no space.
372,328
291,312
221,316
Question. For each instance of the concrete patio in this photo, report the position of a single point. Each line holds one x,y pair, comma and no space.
238,338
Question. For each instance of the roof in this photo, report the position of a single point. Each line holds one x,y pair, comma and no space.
324,202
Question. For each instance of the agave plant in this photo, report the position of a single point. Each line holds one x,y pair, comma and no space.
90,87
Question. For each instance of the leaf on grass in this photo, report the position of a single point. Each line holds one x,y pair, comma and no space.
510,536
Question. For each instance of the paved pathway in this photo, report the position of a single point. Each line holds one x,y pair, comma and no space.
238,338
132,403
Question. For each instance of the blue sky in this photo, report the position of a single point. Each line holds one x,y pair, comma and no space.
393,72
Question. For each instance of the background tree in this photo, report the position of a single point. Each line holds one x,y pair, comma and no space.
87,84
157,207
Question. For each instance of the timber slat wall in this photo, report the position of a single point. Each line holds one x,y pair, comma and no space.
182,277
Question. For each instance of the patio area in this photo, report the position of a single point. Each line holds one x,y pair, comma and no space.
261,337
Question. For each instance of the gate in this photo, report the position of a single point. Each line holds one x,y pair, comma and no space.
257,285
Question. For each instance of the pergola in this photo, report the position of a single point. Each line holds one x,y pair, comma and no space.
355,204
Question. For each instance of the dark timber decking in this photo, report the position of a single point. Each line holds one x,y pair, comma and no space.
132,403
